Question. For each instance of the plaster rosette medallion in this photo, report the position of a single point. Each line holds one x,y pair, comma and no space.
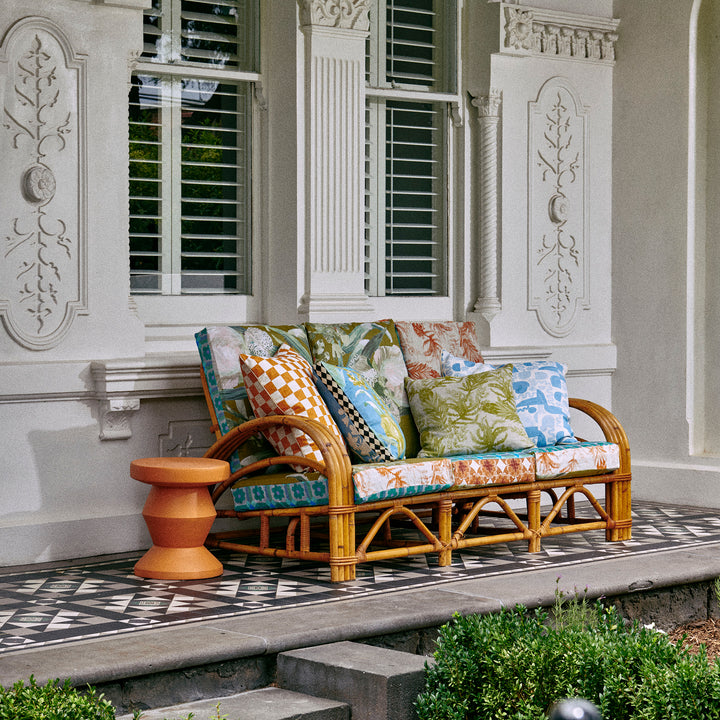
557,207
345,14
42,233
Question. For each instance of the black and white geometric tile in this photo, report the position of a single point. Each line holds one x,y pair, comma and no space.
50,605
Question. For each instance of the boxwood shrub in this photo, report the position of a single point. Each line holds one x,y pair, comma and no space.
53,701
513,665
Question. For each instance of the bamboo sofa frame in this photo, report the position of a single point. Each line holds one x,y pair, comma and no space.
443,521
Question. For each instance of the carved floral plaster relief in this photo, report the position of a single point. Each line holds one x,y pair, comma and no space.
42,243
557,202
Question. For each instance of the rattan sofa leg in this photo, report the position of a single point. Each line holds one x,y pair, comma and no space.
618,506
444,520
534,520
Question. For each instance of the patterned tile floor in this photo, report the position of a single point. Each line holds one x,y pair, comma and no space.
46,605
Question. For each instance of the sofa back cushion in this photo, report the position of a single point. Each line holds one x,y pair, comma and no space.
423,342
220,348
371,349
284,385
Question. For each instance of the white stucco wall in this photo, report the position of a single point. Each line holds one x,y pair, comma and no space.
123,380
657,289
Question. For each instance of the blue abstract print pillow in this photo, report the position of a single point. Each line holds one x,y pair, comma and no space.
541,396
366,422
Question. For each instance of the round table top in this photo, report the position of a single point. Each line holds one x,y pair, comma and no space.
179,471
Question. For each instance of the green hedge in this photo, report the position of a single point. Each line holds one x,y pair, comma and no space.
514,665
53,702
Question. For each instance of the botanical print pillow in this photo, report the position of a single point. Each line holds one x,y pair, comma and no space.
364,419
461,416
284,385
541,396
373,350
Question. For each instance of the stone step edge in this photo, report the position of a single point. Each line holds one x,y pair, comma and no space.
269,703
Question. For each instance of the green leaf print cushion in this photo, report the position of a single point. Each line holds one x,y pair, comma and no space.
462,416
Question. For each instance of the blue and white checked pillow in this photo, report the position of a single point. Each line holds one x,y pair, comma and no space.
541,396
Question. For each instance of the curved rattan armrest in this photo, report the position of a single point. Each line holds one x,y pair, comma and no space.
610,426
336,463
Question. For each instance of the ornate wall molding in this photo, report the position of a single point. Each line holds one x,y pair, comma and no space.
557,206
536,31
345,14
43,275
488,303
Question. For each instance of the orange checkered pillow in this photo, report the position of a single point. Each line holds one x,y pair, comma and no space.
284,385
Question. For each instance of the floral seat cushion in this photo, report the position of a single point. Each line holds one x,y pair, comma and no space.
576,459
493,468
373,481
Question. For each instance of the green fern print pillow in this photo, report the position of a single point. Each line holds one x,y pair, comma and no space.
464,416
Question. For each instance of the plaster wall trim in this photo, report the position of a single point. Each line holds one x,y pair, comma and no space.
43,268
581,360
120,385
558,206
676,483
550,33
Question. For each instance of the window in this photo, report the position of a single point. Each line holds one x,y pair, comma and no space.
410,85
190,148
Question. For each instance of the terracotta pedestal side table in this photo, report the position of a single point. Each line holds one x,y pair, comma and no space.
179,514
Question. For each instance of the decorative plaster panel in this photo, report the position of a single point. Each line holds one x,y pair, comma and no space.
546,32
557,206
347,14
43,282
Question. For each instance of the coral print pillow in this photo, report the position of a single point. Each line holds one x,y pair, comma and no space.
541,396
284,385
463,416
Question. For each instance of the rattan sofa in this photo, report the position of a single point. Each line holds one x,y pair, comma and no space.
325,509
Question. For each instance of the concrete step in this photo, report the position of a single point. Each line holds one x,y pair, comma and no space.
269,703
377,683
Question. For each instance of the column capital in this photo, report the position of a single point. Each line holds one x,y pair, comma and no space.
342,14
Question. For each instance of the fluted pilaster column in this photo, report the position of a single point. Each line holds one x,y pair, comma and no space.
334,101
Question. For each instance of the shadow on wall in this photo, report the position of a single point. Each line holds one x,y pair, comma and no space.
74,499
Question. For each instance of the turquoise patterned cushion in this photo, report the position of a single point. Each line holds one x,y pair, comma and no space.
366,422
541,396
281,491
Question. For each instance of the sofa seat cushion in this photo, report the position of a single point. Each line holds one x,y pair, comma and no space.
280,490
576,459
373,481
494,468
415,476
423,342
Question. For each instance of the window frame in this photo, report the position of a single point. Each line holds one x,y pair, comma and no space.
170,317
378,91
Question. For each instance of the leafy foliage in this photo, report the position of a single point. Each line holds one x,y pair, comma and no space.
53,702
514,664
